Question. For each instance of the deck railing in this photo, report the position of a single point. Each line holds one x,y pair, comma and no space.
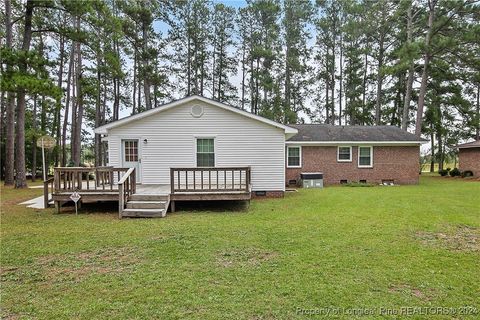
48,190
126,187
219,179
70,179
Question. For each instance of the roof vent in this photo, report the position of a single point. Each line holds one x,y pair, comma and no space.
197,111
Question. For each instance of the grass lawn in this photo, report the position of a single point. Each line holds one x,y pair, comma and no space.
353,250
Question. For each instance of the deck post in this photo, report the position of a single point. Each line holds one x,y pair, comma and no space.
172,206
120,200
58,205
172,181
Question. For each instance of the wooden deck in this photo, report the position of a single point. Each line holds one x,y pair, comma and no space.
152,200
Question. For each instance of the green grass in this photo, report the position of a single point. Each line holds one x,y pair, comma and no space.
338,247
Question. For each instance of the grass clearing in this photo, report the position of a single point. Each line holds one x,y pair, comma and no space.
337,247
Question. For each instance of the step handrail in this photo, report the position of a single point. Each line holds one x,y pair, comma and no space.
126,187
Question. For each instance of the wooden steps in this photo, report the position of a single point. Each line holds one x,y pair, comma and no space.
147,205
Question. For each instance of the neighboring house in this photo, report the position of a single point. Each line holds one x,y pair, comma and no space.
371,154
199,132
469,157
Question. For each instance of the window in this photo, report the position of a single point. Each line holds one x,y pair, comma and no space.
131,150
344,154
365,157
294,158
205,153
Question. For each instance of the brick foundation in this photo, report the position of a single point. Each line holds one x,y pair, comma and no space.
469,159
400,164
269,194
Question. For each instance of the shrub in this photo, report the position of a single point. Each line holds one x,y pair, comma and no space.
454,172
358,184
443,172
467,173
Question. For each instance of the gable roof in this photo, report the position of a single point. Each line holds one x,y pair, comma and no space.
473,144
104,129
331,134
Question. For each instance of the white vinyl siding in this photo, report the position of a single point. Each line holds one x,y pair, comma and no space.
171,142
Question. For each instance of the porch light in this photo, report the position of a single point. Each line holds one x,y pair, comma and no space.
145,141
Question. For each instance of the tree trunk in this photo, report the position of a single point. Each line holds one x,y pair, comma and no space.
98,141
146,76
441,152
20,179
67,105
340,92
10,108
432,151
77,131
58,107
364,85
378,104
34,139
189,69
477,135
426,60
243,76
134,96
411,70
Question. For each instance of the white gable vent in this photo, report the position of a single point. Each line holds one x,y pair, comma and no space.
197,111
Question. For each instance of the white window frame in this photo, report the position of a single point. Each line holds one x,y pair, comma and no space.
371,157
338,154
214,138
299,154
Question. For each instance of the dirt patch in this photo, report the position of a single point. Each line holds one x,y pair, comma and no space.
246,257
463,238
81,265
422,294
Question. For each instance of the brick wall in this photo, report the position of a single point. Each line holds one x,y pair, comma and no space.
469,159
400,164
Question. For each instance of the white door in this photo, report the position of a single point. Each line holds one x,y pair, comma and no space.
131,157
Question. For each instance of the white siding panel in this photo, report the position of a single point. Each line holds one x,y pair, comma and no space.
239,141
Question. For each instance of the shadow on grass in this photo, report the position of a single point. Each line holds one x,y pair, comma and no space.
111,207
211,206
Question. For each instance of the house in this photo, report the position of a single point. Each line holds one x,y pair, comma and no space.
469,157
370,154
196,149
196,132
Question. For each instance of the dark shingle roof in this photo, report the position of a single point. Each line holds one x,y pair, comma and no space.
325,132
473,144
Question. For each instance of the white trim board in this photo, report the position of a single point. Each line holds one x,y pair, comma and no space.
299,155
355,143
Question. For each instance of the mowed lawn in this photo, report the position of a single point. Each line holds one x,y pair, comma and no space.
339,248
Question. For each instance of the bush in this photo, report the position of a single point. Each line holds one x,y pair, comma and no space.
455,172
443,172
358,184
467,173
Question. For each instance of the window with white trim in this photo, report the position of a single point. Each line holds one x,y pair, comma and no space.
294,157
365,157
344,154
205,152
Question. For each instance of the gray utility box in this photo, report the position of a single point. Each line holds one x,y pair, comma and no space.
312,179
